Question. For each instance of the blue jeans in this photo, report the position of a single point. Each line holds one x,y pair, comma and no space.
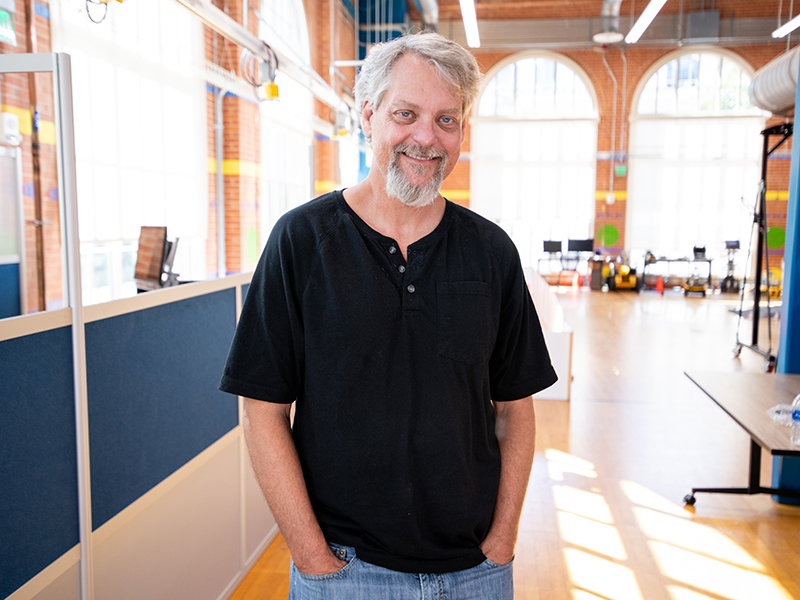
363,581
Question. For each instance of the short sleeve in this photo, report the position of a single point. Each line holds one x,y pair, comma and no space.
520,364
266,353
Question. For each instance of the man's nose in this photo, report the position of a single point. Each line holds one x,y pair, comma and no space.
424,133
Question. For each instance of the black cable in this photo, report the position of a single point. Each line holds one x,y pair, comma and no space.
89,14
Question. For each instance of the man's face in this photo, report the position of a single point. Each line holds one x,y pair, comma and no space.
416,132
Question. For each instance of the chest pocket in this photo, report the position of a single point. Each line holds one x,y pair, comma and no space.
464,321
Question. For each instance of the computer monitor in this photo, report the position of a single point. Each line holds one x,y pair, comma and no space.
154,260
732,245
552,247
150,257
580,245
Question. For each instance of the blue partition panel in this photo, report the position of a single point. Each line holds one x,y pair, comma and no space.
153,398
38,456
9,291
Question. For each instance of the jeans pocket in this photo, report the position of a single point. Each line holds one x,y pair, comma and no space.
329,576
494,565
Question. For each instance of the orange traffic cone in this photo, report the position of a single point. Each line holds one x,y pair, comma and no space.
660,285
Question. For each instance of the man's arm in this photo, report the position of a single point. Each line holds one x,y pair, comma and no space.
267,430
515,426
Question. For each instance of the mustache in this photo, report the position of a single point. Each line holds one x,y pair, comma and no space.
420,152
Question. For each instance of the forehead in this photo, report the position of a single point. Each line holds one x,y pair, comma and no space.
414,81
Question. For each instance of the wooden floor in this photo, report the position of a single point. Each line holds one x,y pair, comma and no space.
604,517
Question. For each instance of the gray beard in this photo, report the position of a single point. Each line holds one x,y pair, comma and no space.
398,185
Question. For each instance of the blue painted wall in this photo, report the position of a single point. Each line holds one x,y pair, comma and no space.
786,470
38,457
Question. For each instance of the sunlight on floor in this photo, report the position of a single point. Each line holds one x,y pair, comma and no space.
585,504
715,576
591,535
699,561
603,577
688,535
559,463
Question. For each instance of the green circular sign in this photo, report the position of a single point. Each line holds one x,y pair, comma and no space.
607,236
252,245
776,237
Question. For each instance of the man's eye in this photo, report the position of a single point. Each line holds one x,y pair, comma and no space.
405,114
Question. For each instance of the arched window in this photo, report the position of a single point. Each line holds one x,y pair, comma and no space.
533,152
694,157
286,133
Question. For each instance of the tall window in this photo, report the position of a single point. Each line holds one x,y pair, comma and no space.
140,135
286,133
694,162
533,153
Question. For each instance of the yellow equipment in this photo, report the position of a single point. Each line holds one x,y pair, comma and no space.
625,278
695,285
775,282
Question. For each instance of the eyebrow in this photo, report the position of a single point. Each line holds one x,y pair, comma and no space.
412,105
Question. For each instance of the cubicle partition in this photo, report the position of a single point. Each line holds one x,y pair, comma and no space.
124,470
174,509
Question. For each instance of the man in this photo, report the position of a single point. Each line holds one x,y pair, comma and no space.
401,325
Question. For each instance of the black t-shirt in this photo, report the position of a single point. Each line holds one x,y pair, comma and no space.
393,365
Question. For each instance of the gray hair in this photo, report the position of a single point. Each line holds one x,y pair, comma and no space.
455,65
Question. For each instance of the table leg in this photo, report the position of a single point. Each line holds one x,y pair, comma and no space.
754,483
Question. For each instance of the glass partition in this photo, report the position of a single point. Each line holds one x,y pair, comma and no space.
32,253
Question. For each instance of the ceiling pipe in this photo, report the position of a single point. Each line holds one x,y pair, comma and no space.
429,9
609,32
610,196
233,31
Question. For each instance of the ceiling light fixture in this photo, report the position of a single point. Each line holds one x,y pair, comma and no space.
644,20
607,37
470,20
787,28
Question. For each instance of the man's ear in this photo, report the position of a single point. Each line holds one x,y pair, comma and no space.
366,118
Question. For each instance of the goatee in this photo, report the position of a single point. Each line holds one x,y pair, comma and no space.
400,187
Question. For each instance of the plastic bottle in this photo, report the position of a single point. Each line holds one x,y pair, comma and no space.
796,420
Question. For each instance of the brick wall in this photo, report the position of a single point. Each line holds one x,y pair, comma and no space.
16,98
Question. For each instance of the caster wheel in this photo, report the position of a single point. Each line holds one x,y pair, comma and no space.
689,499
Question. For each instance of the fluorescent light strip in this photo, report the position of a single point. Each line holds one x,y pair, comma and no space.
787,28
470,20
644,21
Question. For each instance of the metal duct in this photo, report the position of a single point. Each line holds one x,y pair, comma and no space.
429,9
609,33
220,22
774,86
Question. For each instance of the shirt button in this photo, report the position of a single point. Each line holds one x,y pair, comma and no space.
401,268
392,250
411,289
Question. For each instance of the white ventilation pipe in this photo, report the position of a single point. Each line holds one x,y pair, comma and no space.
429,9
774,86
609,33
